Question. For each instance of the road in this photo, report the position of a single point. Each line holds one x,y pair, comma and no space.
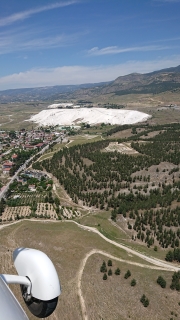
157,262
23,167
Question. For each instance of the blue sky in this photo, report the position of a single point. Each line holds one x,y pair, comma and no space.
46,42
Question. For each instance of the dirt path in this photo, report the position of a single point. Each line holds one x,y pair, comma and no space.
117,226
83,264
8,224
155,261
152,260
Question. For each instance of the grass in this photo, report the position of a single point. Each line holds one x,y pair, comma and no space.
75,141
116,299
19,113
102,223
82,139
66,245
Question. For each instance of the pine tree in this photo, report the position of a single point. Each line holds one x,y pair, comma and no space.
161,282
117,272
109,272
109,263
133,282
103,267
105,276
127,274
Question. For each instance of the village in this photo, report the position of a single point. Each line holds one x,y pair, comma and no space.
17,147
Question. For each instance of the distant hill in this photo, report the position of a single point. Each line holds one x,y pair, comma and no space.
42,93
135,83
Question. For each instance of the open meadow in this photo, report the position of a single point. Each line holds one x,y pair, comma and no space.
78,256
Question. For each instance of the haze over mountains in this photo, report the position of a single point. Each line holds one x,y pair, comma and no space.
135,83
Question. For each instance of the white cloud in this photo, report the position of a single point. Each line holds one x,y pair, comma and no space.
26,14
82,74
23,40
115,49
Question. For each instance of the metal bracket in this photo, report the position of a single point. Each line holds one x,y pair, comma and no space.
8,278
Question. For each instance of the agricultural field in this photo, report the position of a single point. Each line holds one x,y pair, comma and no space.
42,210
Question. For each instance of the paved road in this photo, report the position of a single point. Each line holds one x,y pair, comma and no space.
23,167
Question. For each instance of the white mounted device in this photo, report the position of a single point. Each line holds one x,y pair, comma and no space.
39,284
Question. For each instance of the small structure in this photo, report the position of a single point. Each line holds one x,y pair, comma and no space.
6,170
14,156
32,187
7,165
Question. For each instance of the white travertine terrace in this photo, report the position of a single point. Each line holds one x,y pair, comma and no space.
88,115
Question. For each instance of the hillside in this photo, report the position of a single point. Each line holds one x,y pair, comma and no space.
78,256
156,82
136,83
41,93
137,180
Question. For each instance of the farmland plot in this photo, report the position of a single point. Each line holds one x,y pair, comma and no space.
46,210
14,213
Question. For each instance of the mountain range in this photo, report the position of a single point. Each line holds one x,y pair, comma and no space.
150,83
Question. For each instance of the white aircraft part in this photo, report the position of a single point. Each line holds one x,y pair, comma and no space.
36,265
10,309
9,278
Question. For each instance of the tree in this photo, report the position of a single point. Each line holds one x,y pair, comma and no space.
103,267
144,300
109,272
127,274
161,282
133,282
109,263
105,276
117,272
146,303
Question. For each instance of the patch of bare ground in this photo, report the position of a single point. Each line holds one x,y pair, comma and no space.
124,148
66,244
157,174
87,161
69,246
116,299
81,270
151,134
122,134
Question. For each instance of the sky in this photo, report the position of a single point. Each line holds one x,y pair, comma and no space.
54,42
